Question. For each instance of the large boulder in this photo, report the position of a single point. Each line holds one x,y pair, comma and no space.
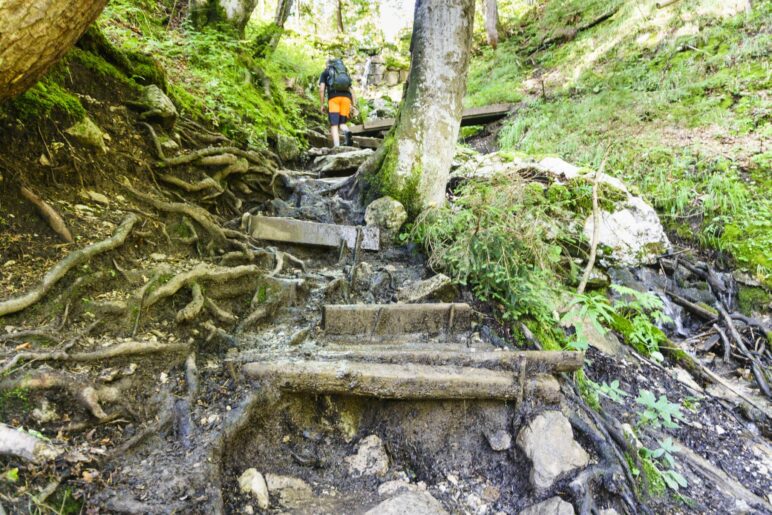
387,214
552,506
412,502
548,441
342,163
633,232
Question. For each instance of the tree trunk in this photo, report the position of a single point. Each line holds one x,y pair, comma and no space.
283,10
420,147
492,22
34,34
233,13
339,17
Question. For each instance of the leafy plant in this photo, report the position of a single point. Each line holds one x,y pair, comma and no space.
658,412
664,456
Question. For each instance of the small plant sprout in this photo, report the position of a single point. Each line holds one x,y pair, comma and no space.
658,412
664,456
612,391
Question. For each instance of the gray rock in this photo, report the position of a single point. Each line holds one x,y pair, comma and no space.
370,460
499,440
387,213
158,106
439,287
413,503
552,506
253,483
88,133
287,147
291,491
548,441
342,163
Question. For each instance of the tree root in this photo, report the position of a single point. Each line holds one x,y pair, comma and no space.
14,442
220,313
212,331
194,307
280,257
72,260
190,187
49,214
200,273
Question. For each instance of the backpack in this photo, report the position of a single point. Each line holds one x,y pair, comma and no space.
338,78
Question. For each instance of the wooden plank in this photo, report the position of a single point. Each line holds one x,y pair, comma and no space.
406,381
303,232
471,116
395,319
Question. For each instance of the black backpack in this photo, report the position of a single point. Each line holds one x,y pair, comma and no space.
338,78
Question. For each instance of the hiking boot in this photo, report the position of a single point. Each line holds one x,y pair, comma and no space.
348,139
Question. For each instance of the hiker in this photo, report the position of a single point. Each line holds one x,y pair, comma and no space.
335,84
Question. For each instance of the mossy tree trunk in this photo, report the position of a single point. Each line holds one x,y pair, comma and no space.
492,22
35,34
420,147
226,13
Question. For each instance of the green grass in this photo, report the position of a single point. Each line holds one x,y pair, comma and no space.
668,110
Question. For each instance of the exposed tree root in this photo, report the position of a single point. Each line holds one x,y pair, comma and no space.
194,307
14,442
220,313
72,260
49,214
190,187
212,331
201,273
280,257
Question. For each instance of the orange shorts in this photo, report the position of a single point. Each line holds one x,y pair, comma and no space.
339,109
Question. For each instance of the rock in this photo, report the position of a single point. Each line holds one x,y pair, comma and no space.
390,488
548,441
414,503
552,506
370,460
168,144
608,511
88,133
438,287
252,482
363,276
499,440
392,77
386,213
291,491
598,279
607,342
342,163
95,197
287,147
560,168
633,232
158,106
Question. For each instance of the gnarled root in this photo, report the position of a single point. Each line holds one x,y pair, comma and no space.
201,273
72,260
49,214
14,442
194,307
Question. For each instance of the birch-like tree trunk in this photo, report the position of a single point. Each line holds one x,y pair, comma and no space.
420,148
492,22
34,34
234,13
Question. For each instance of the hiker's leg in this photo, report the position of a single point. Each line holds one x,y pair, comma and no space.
335,135
345,111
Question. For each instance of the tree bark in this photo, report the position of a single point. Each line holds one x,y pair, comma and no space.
233,13
35,34
492,22
283,9
420,147
339,17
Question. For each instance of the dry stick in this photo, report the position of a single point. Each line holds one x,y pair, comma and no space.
595,229
49,214
692,307
23,445
74,259
724,341
756,367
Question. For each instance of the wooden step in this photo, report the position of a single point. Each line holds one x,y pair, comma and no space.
396,319
303,232
405,381
471,116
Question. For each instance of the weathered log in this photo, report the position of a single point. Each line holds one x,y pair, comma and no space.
23,445
695,309
76,258
416,382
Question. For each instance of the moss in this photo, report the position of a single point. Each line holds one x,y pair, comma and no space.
100,66
652,478
45,98
15,398
750,299
385,182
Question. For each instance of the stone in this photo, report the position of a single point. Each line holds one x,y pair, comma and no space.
438,287
158,106
287,147
558,167
499,440
607,342
342,163
412,502
552,506
392,77
633,232
395,319
88,133
309,233
386,213
548,441
168,144
95,197
290,491
370,460
252,482
598,279
389,488
608,511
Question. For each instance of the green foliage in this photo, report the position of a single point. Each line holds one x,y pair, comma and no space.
750,299
661,465
45,98
658,412
635,315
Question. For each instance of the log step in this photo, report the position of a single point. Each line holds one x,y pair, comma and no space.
396,319
406,381
302,232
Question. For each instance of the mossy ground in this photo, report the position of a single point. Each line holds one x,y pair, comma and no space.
677,99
